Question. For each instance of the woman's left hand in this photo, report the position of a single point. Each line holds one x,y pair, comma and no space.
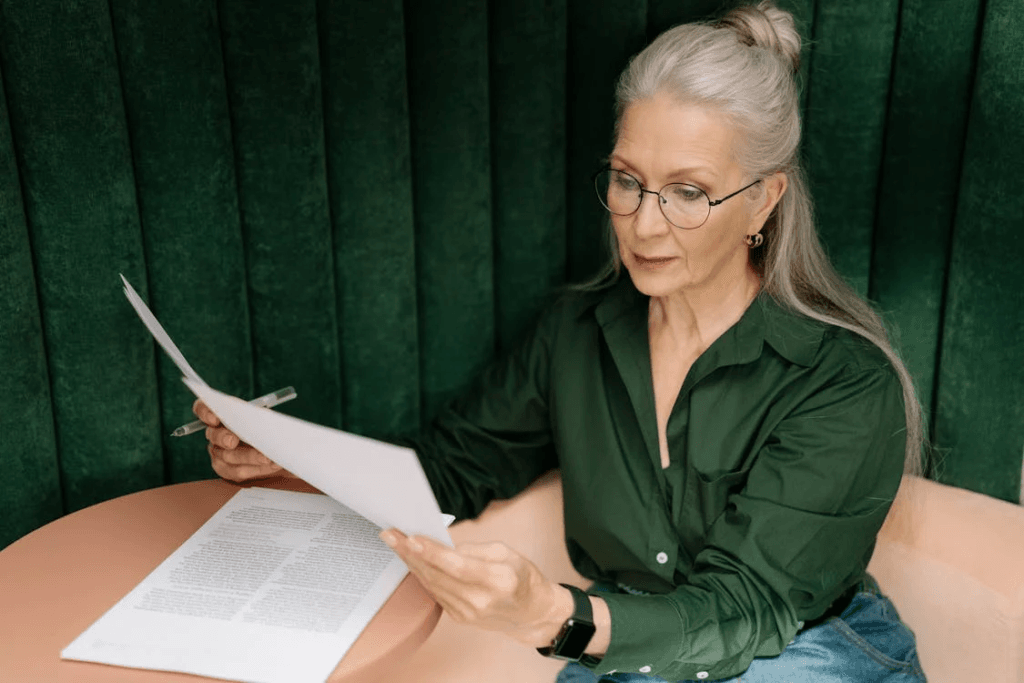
488,585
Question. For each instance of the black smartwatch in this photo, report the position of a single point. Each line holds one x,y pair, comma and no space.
575,633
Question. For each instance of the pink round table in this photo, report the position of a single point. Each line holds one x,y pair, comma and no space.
59,579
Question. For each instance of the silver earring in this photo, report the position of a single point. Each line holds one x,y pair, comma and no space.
755,240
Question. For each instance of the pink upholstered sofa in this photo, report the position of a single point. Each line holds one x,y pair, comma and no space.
954,568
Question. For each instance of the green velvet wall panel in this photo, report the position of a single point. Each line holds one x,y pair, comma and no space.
664,14
368,200
980,419
67,119
26,418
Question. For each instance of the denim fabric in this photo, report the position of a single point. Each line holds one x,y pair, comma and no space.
867,642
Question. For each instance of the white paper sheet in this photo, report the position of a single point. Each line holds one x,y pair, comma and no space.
382,482
274,588
158,331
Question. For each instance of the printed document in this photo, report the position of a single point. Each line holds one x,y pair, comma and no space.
274,588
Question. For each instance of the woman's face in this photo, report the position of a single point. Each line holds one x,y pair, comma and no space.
661,142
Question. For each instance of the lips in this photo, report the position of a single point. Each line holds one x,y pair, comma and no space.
652,260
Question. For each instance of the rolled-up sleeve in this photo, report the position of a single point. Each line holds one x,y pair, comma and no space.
792,538
495,439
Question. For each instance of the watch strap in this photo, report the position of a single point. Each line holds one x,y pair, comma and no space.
582,618
581,604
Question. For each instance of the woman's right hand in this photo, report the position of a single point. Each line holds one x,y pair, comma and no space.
230,457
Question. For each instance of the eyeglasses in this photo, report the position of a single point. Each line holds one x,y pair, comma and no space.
684,206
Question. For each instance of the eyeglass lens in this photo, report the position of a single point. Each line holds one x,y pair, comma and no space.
685,206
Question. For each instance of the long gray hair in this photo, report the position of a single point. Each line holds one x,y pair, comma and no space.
744,66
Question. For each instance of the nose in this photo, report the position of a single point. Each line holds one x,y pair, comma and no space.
649,221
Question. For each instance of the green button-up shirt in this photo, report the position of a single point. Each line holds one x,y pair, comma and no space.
786,445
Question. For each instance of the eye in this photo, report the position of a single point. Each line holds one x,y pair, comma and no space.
685,193
624,182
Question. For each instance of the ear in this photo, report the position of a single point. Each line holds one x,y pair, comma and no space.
774,187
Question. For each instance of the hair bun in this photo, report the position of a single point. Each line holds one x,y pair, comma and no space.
765,25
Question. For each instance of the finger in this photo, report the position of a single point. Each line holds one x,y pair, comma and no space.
243,455
401,545
480,564
470,562
410,550
200,410
447,602
239,472
449,593
464,602
223,437
445,568
467,598
485,571
423,549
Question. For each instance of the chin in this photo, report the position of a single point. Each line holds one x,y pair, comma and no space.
659,282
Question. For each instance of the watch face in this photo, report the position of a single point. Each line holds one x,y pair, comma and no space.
577,637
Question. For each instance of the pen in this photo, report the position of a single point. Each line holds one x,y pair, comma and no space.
266,401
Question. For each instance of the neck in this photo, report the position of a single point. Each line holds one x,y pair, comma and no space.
694,318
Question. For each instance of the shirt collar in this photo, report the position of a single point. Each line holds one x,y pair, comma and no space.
793,336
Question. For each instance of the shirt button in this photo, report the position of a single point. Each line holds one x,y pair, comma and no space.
645,669
662,558
702,675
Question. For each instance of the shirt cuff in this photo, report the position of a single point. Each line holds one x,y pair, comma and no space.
647,633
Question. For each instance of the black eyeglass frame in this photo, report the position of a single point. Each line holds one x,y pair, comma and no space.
661,205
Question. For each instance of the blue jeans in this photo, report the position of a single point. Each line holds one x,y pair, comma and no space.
867,643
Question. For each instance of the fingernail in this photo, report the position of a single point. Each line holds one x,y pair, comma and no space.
414,545
388,538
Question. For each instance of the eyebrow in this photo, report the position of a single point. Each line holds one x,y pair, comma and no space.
677,173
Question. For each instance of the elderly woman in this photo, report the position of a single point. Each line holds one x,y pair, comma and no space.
730,421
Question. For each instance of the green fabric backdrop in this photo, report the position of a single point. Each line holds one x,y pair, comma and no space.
369,199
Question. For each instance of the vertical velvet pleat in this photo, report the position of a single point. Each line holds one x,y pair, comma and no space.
451,153
368,200
845,126
981,380
664,14
369,176
920,172
602,36
67,118
528,90
186,186
804,12
29,451
272,57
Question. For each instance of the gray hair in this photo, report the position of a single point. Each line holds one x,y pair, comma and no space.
744,66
